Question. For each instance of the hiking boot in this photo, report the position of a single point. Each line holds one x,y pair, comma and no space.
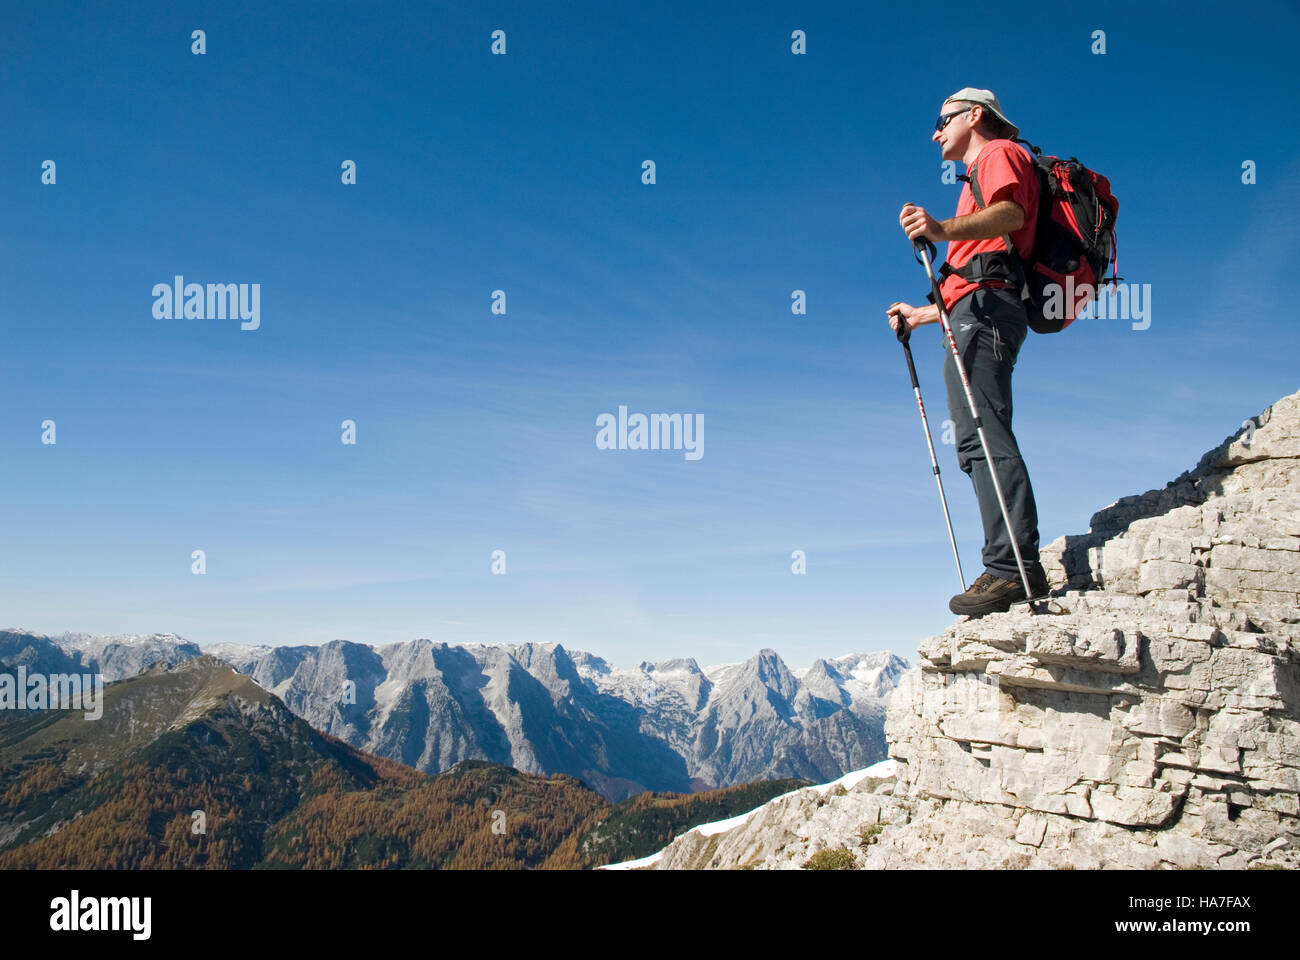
993,594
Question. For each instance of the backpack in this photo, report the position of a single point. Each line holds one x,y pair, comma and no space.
1073,242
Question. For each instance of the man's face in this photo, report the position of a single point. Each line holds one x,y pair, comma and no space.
959,120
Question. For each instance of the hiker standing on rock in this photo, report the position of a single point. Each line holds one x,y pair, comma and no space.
981,293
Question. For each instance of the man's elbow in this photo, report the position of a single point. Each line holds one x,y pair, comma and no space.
1013,214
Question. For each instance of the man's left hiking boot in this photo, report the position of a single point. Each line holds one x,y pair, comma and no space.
992,594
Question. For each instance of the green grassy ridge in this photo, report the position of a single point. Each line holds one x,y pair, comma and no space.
245,775
18,725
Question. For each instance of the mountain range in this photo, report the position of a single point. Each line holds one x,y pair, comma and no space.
195,766
539,708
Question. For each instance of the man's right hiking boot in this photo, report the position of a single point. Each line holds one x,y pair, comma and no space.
993,594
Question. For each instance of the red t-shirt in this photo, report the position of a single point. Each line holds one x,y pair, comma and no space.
1005,172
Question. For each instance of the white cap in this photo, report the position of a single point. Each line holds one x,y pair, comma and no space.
985,99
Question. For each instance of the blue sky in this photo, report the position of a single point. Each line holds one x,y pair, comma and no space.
476,432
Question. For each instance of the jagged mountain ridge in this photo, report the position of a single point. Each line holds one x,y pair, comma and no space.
116,657
666,726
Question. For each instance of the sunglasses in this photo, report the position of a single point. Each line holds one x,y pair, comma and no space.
946,118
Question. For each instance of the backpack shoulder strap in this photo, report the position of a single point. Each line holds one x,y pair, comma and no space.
973,179
997,263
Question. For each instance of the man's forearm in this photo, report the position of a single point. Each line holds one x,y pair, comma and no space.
1005,216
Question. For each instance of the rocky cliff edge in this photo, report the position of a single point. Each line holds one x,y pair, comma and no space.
1146,715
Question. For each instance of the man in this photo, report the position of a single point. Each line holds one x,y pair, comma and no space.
981,293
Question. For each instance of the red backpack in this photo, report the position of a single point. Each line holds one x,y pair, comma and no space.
1073,242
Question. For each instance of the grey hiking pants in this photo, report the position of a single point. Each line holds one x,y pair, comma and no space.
990,327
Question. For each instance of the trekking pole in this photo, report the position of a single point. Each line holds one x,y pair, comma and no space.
904,336
924,252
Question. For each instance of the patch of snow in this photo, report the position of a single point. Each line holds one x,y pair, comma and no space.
722,826
634,864
885,768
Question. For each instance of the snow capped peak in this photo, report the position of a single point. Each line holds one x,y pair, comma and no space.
676,667
590,662
720,671
86,641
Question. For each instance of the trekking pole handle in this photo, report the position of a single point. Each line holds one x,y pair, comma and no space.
921,243
904,331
